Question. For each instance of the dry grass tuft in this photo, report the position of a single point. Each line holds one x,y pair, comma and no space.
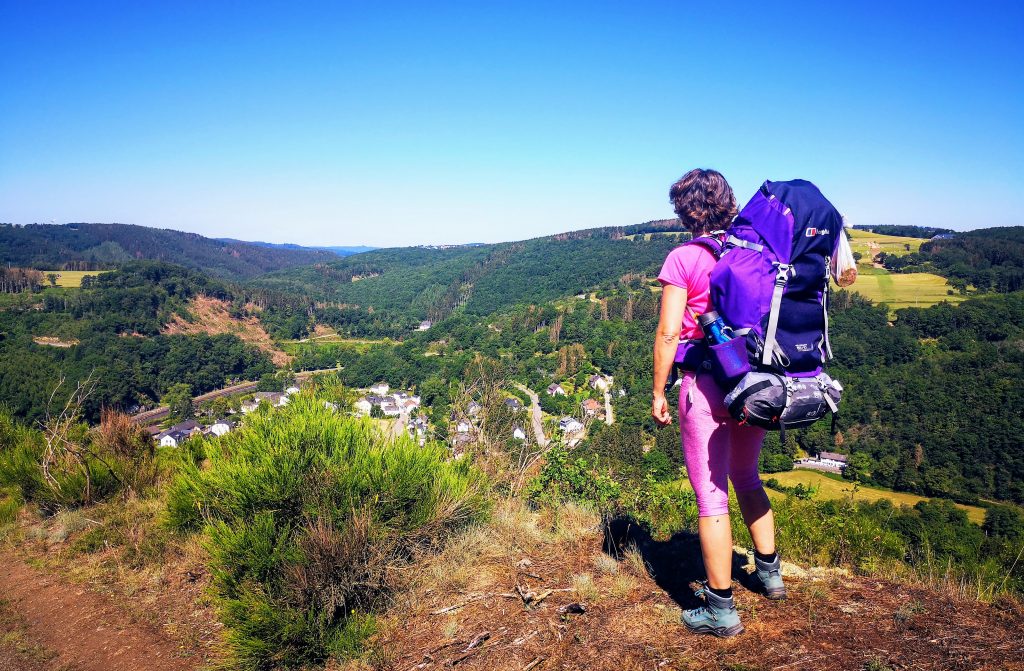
584,588
605,564
622,585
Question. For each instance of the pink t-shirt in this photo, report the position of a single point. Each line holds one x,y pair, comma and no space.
689,267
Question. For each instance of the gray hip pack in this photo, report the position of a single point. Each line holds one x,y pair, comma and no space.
773,401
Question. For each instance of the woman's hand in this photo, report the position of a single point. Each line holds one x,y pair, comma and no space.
660,411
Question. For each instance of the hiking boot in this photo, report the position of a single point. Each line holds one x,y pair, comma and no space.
770,575
717,616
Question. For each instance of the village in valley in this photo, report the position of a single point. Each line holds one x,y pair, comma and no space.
401,412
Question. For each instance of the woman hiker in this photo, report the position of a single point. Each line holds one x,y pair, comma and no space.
716,447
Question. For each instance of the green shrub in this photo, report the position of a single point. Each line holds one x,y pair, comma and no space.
10,504
87,467
664,508
834,533
563,478
304,511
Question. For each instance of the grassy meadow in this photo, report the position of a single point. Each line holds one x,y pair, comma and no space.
870,244
70,279
898,290
831,488
902,290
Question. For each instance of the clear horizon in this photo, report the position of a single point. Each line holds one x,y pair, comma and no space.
394,125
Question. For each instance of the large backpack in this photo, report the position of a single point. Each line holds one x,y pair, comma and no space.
770,286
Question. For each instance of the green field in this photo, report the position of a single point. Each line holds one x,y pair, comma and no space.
829,488
869,244
901,290
70,278
898,290
293,347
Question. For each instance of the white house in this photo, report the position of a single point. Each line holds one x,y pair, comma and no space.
518,434
424,325
178,433
832,462
555,389
172,438
380,388
473,409
418,429
600,382
833,459
570,425
221,426
462,427
363,406
274,398
292,390
390,409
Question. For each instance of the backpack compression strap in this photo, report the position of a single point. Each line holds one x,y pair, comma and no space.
783,272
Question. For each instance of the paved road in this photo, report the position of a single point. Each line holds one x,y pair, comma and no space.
156,414
609,412
398,428
538,424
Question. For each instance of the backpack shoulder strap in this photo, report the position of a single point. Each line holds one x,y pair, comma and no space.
714,242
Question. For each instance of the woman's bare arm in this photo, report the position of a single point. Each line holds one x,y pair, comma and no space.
673,304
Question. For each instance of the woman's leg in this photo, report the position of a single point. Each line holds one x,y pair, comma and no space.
760,520
716,549
706,448
745,443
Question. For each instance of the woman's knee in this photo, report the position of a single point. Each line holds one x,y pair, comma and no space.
746,481
711,503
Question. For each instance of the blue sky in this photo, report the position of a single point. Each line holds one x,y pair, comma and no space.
398,123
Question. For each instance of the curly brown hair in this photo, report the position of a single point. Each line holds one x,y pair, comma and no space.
703,201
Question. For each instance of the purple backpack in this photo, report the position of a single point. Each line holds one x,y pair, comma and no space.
770,286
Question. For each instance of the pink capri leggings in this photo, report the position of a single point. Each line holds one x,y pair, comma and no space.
717,448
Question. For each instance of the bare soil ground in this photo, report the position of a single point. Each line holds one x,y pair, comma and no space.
533,590
48,624
53,341
211,316
468,612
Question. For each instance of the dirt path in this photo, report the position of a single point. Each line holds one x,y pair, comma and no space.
69,628
831,621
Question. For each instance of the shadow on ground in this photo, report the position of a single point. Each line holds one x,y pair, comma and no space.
673,564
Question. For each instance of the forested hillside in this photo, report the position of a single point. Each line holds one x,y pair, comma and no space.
907,231
339,251
110,334
100,246
432,283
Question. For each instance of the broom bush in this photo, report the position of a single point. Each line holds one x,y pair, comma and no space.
69,481
306,513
